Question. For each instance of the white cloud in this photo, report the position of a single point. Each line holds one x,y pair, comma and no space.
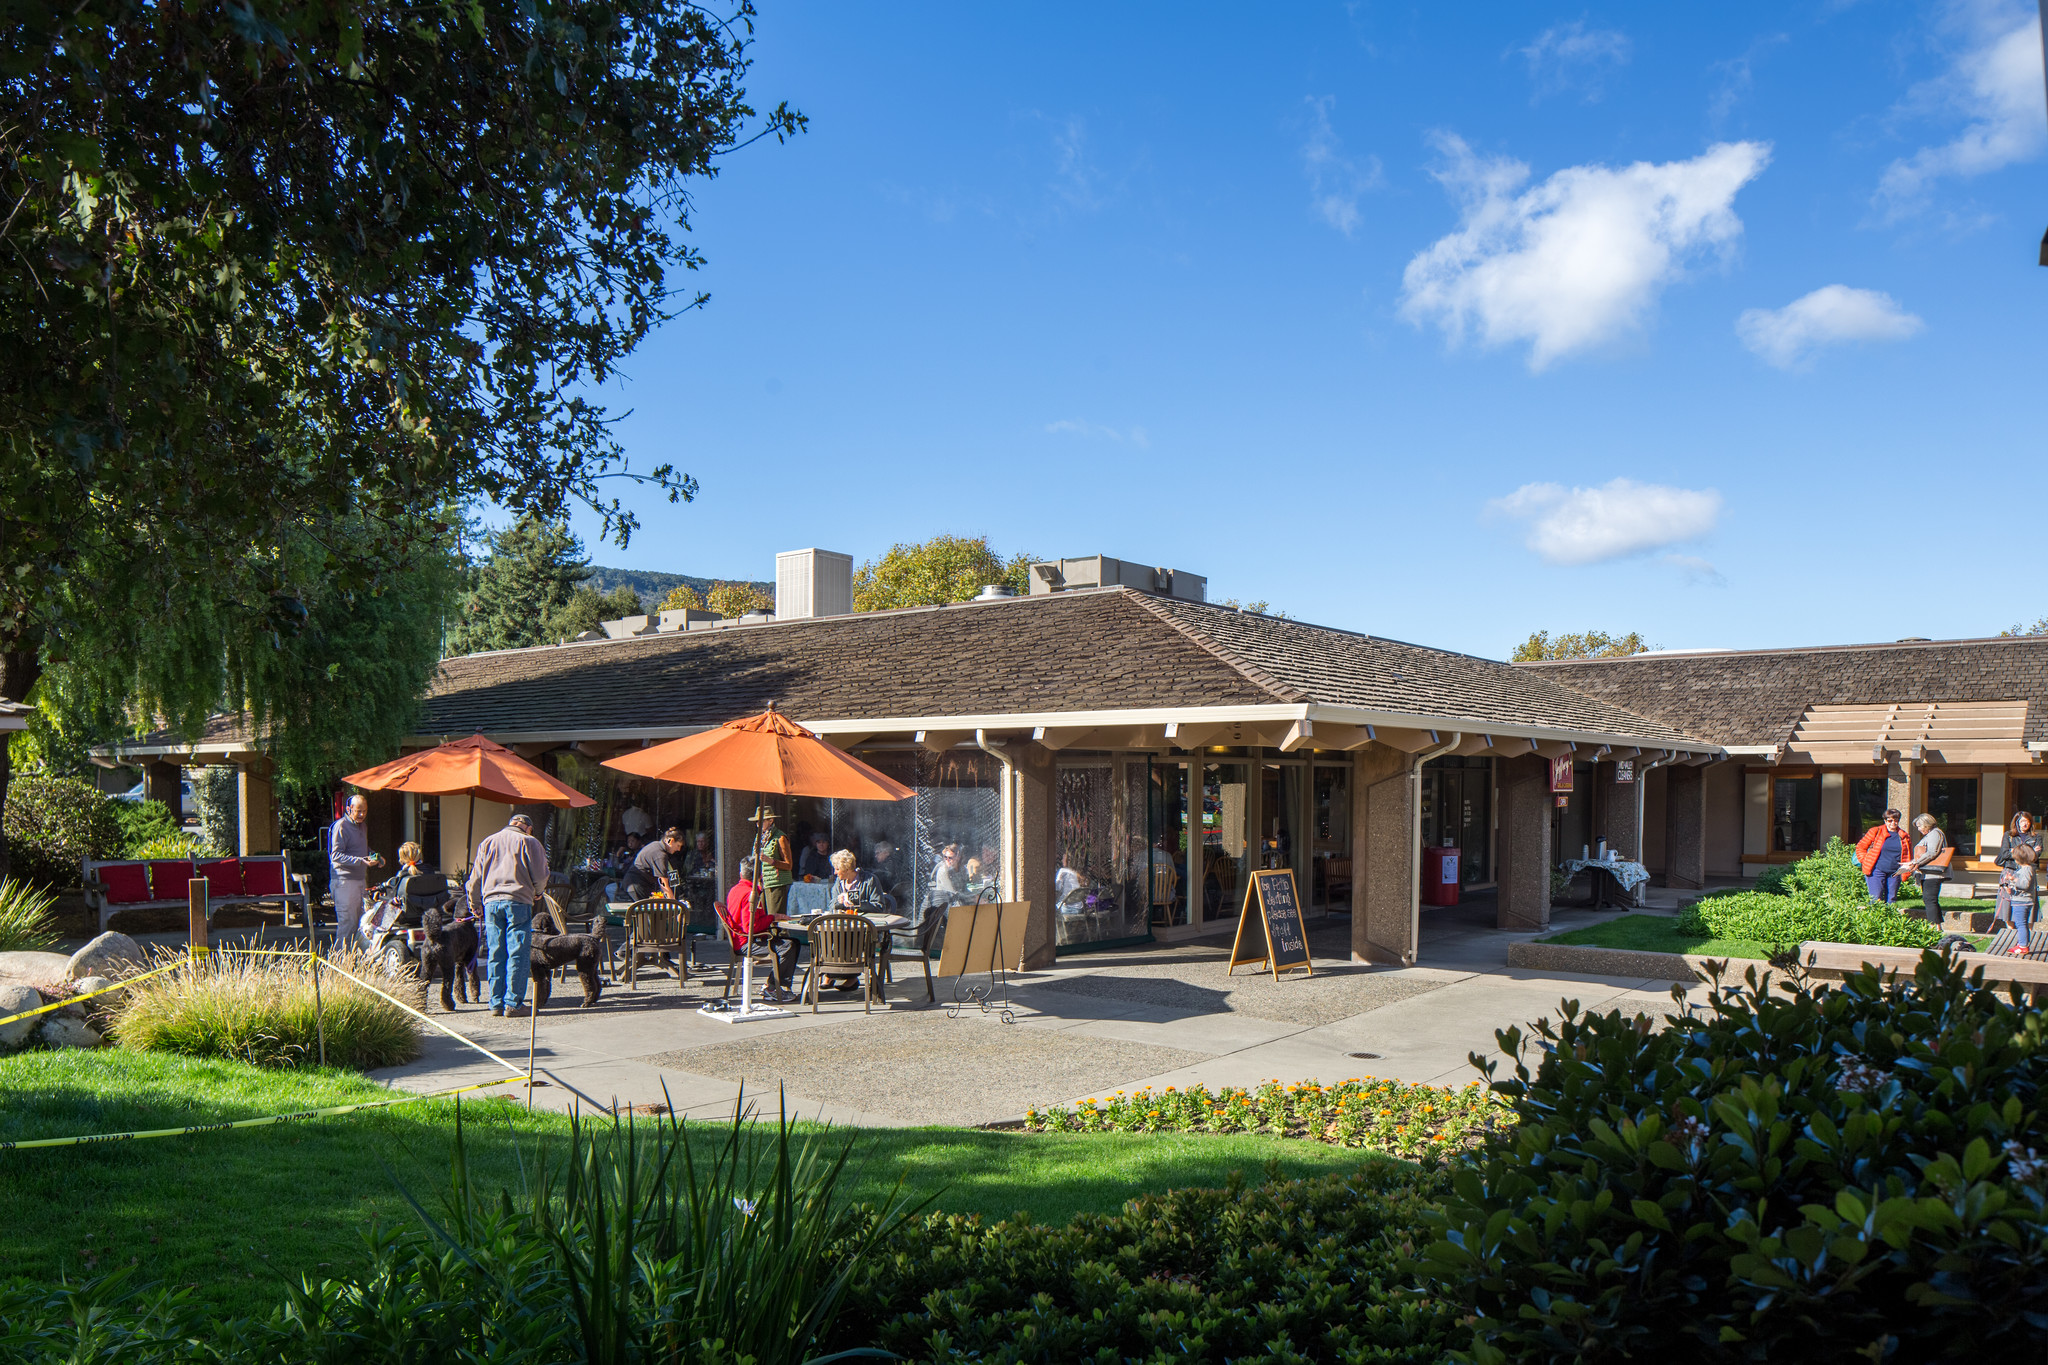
1095,431
1995,83
1578,260
1697,572
1574,57
1828,316
1336,182
1613,521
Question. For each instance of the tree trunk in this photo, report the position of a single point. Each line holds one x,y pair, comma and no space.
19,670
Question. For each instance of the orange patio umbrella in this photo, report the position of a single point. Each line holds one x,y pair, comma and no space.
473,767
764,753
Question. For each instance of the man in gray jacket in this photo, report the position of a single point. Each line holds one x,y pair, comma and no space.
510,872
350,860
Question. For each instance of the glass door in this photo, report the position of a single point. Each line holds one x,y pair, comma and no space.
1224,837
1330,840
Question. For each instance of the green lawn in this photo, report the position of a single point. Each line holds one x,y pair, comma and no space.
236,1213
1656,934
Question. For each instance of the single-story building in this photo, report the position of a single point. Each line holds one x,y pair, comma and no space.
1822,741
1108,747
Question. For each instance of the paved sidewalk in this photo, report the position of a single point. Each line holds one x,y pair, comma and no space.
1164,1014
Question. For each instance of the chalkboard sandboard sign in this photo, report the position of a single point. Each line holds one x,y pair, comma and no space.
1280,916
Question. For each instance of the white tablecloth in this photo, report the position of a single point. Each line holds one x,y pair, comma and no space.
1630,875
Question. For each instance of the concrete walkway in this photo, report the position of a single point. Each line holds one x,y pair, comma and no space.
1163,1014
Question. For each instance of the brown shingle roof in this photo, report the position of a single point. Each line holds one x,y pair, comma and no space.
1757,696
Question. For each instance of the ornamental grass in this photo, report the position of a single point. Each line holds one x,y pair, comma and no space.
26,923
1371,1112
261,1010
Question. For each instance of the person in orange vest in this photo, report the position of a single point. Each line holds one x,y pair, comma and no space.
1880,852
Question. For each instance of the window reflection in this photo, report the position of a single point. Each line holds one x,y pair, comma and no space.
1795,814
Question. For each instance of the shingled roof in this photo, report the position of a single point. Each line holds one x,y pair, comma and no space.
1756,697
1102,650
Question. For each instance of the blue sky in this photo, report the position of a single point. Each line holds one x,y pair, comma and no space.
1445,323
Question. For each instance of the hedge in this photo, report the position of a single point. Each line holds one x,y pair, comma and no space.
54,824
1825,898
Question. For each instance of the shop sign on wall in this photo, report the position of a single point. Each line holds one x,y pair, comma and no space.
1624,770
1561,773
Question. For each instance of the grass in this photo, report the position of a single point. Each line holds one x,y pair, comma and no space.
26,923
239,1214
260,1009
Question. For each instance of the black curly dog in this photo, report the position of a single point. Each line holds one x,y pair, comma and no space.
582,951
450,953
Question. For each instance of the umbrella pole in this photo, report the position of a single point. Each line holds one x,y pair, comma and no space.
756,900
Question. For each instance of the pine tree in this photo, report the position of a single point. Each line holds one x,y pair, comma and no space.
533,573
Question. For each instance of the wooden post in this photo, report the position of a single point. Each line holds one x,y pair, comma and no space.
198,940
319,1018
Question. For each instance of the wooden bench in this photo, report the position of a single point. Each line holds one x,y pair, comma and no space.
113,885
1838,960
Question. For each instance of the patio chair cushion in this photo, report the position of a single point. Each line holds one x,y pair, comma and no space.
223,876
126,883
169,880
263,877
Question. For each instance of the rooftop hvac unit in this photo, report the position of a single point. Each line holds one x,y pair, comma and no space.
1100,571
813,583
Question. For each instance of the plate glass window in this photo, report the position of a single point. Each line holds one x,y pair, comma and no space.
1952,801
1795,814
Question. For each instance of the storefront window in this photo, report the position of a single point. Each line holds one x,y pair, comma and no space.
1795,814
1224,838
958,805
1869,798
2029,794
1330,831
1952,801
1096,895
1167,842
1457,812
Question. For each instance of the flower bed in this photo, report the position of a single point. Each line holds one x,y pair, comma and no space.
1384,1115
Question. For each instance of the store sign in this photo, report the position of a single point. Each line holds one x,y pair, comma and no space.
1624,770
1561,773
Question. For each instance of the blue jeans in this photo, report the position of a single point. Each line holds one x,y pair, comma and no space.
508,935
1884,883
2021,908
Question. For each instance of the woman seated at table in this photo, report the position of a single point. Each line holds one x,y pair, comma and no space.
852,892
746,919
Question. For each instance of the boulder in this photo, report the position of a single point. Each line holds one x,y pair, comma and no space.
86,985
27,965
14,998
111,955
63,1032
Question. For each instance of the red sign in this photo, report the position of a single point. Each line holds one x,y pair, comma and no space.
1561,773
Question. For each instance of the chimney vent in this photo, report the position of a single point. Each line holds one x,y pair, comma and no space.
813,583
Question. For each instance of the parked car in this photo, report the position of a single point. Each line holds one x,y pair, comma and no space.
135,793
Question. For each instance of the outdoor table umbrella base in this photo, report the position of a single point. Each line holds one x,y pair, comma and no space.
748,1009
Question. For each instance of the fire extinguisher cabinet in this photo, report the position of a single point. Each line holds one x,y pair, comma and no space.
1439,876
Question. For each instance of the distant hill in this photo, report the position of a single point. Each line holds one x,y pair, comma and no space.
653,586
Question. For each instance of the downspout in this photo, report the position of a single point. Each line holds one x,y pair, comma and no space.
1415,841
1670,756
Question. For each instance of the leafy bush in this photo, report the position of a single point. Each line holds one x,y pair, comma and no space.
1825,897
144,825
260,1010
627,1248
54,824
1382,1114
1847,1174
1298,1271
216,801
25,919
179,845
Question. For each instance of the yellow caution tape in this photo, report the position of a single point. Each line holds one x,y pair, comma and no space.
250,1123
106,990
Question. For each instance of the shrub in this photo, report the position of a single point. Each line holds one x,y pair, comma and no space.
1825,897
54,824
1385,1115
25,919
179,845
1297,1271
1846,1174
260,1010
215,799
144,825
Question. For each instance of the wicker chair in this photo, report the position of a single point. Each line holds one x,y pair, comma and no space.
654,930
844,945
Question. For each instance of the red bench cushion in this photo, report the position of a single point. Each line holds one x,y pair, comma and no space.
264,878
223,876
169,880
126,883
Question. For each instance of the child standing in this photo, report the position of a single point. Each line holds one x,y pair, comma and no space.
2018,888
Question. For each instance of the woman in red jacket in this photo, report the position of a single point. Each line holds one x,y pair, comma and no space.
746,921
1880,852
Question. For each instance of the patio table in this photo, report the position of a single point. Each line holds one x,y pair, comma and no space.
1627,877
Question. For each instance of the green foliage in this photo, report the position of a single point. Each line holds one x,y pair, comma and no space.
735,600
54,824
589,609
260,1010
144,823
216,801
1311,1270
1828,1175
179,845
1590,644
1385,1115
1261,607
941,570
1825,898
26,923
530,578
682,597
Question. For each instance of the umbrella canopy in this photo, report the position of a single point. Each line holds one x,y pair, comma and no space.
470,767
764,753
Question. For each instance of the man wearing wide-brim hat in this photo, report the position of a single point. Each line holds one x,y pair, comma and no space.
772,855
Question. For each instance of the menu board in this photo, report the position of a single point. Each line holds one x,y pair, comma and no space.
1279,916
